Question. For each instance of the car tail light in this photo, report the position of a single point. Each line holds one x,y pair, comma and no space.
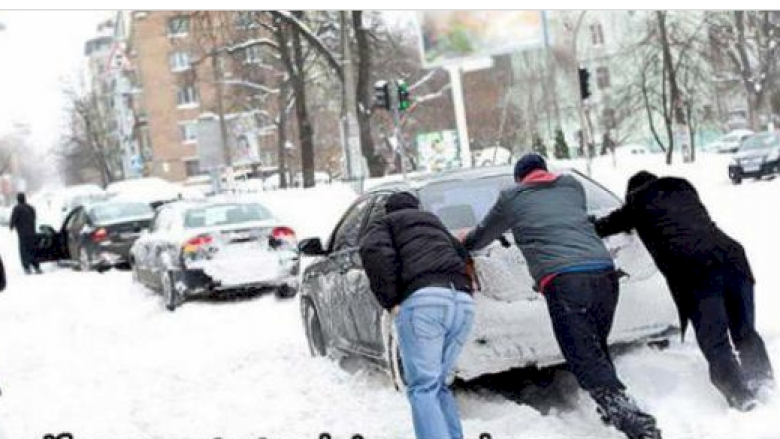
197,242
99,235
283,233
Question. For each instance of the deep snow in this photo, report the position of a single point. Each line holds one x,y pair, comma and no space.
98,356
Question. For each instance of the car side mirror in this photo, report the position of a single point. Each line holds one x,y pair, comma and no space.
47,229
311,247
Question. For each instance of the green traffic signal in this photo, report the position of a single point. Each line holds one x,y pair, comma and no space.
403,95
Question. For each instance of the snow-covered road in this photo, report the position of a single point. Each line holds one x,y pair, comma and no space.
95,355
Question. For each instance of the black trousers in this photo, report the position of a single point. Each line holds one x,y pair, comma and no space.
582,307
724,322
27,252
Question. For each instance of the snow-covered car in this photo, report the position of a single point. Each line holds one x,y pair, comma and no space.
758,156
95,235
211,248
512,328
152,190
729,143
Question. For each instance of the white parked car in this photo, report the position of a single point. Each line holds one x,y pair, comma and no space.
215,247
729,143
152,190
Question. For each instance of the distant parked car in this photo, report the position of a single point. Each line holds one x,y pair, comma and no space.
95,235
512,328
215,247
758,156
729,143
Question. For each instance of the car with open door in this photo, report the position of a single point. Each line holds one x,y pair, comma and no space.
95,235
212,248
512,327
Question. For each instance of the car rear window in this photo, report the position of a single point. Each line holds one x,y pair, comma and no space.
464,203
225,214
116,211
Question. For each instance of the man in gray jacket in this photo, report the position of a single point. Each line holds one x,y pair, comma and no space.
575,272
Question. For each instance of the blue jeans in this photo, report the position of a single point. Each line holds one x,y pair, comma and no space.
433,326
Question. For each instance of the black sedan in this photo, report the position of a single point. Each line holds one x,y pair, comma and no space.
512,327
95,236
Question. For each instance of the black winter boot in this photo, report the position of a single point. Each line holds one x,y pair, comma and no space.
619,410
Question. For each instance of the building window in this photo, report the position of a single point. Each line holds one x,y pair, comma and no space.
178,26
253,55
602,77
187,95
192,167
596,34
188,131
179,61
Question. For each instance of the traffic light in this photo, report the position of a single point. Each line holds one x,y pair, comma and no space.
584,83
382,95
403,95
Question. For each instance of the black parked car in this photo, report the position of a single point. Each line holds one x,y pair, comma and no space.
758,156
95,236
512,327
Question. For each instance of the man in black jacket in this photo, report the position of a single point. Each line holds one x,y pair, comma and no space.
709,277
417,270
23,220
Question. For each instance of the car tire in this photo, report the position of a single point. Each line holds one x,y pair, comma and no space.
736,179
84,260
394,360
169,293
318,345
286,292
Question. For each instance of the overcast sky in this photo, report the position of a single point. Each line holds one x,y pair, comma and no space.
39,52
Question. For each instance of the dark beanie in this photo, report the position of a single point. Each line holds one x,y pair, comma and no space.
402,200
21,198
639,179
529,163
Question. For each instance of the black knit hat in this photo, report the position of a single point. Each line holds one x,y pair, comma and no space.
401,200
527,164
639,179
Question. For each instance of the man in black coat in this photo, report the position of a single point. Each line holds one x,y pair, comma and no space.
23,220
708,275
417,270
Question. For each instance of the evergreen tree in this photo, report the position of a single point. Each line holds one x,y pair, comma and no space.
561,148
539,146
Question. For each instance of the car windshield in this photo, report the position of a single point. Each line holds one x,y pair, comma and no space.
463,203
760,141
225,214
115,211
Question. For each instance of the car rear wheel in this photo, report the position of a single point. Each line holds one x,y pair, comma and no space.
169,292
314,335
736,179
85,263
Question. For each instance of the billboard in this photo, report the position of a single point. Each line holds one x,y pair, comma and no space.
438,151
451,37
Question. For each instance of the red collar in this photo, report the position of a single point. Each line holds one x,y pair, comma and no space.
539,176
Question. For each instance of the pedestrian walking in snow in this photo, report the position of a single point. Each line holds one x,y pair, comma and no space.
708,275
417,270
23,220
574,270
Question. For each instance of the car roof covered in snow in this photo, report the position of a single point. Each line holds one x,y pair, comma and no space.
418,182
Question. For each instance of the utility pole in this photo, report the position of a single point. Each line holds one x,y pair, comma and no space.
460,115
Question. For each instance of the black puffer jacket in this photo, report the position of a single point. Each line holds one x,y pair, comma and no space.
409,249
677,230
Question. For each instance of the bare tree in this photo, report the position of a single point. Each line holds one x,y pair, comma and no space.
750,41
